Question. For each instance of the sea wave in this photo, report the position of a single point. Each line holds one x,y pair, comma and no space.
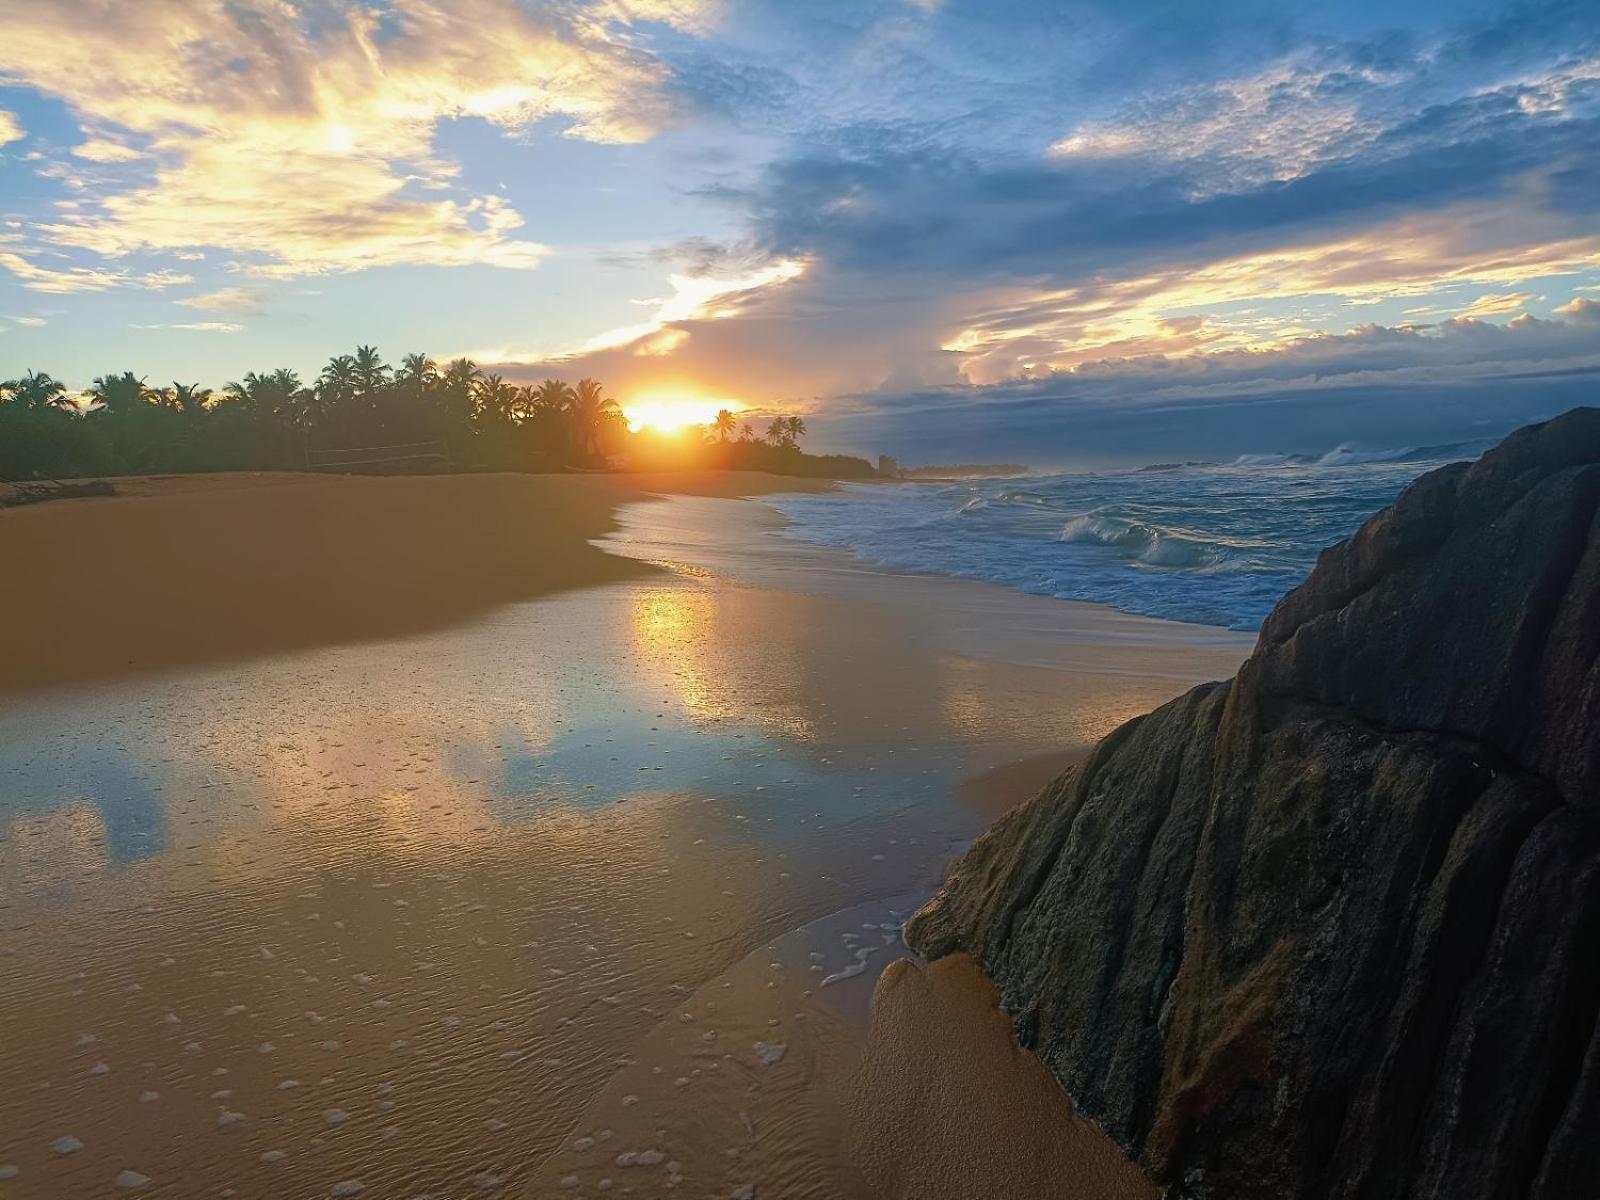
1208,543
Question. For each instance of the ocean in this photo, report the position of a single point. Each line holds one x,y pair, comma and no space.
1213,544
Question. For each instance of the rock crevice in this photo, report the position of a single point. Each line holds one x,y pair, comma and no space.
1332,929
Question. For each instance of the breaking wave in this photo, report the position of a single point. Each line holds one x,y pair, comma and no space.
1208,543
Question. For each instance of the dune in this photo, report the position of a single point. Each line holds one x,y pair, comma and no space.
210,568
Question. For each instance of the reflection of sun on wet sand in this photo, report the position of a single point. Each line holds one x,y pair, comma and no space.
420,912
215,567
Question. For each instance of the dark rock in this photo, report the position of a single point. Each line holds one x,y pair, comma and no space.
1332,929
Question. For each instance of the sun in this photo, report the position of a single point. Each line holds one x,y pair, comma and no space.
671,412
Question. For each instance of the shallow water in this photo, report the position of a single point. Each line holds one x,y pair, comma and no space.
388,919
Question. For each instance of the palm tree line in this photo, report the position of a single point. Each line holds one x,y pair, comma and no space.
274,420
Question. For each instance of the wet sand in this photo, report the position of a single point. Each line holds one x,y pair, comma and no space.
207,568
525,904
946,1105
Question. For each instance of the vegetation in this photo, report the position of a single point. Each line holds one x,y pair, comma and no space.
361,413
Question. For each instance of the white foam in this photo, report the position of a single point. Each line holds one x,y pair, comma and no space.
132,1179
770,1053
66,1144
348,1187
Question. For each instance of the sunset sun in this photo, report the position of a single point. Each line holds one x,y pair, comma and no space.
672,412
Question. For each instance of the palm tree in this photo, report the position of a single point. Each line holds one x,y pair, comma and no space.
188,398
418,371
338,380
747,432
724,424
37,390
461,374
588,407
495,397
371,372
778,431
797,429
277,394
552,396
120,393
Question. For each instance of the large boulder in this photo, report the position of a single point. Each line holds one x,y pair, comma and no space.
1332,929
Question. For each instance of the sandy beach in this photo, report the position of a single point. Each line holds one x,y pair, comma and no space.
476,834
205,568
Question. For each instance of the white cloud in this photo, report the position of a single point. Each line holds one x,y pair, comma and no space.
198,326
10,128
232,299
303,136
35,276
104,150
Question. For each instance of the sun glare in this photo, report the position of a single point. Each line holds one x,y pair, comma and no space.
670,413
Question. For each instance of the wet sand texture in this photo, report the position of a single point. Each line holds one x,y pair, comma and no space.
214,568
947,1105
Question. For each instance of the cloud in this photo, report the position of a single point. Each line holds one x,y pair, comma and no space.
1407,384
1492,305
10,128
30,322
231,299
61,280
198,326
301,137
104,150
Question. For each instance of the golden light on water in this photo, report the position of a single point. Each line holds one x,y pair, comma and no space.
672,412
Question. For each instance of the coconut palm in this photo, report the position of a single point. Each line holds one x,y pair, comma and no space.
552,395
275,394
188,398
588,408
37,390
417,371
778,432
339,380
494,398
120,393
371,372
724,424
796,427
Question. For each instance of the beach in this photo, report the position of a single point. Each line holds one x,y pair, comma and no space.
516,833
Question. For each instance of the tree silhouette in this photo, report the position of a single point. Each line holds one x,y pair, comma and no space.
122,393
588,407
36,390
272,421
190,399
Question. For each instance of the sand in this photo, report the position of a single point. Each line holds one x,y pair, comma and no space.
946,1104
446,850
209,568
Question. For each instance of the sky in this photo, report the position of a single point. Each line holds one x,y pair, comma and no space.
1054,233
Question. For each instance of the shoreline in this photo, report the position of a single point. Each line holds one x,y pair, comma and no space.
764,745
193,569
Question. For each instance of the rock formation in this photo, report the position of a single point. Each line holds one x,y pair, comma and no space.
1332,929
